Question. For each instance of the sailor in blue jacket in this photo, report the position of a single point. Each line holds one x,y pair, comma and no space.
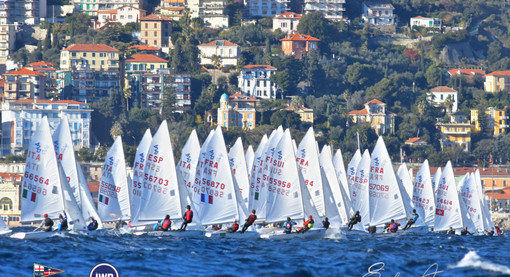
412,220
288,226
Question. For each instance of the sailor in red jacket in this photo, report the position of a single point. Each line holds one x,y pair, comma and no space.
234,227
188,217
249,221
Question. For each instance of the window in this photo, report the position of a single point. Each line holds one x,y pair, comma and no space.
155,42
155,25
146,25
85,54
146,33
93,54
155,33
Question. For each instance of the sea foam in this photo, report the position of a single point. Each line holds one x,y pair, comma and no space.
472,260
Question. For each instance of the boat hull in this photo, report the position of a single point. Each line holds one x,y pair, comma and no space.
235,235
34,235
280,235
5,232
175,233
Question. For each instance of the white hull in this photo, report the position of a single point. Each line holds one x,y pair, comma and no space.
175,233
35,235
5,232
235,235
280,235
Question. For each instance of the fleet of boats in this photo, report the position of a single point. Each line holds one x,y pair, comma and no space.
279,180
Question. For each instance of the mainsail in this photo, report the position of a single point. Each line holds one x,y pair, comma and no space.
423,199
135,192
448,213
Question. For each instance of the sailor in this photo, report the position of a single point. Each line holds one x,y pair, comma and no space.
234,227
498,231
325,223
288,225
120,223
249,221
465,232
355,219
164,225
62,224
412,220
451,231
307,225
393,227
46,224
187,217
93,225
491,232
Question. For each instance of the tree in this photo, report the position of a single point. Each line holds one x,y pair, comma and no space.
116,130
127,95
433,75
361,75
316,25
47,39
216,61
297,102
285,118
494,52
168,102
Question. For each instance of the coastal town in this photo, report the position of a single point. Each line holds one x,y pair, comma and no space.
432,78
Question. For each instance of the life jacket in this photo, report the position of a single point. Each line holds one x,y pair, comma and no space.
415,217
393,227
251,219
63,224
189,215
306,223
166,224
310,223
235,227
48,222
288,226
498,231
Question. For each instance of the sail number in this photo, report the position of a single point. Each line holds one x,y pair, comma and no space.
36,178
156,180
34,188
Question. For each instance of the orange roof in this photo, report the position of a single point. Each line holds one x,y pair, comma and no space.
300,37
145,58
499,194
8,176
499,73
241,97
363,111
2,82
442,89
144,47
259,66
219,43
288,15
45,101
91,48
374,101
93,186
107,11
42,63
415,140
24,71
466,72
153,17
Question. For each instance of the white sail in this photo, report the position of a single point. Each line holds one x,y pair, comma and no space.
74,215
187,165
487,218
239,169
113,189
307,159
257,163
248,157
339,197
160,183
424,200
351,171
436,178
287,195
3,226
341,174
65,156
472,204
135,192
411,174
214,194
258,184
42,188
88,208
406,189
386,201
448,212
359,189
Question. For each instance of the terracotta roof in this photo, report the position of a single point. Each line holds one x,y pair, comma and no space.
173,1
374,101
219,43
288,15
499,73
363,111
93,186
153,17
8,176
442,89
144,48
299,37
24,71
413,140
259,66
2,82
91,48
145,58
107,11
420,17
499,194
466,72
241,97
42,63
45,101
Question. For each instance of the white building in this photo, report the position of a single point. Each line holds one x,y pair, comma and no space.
255,81
331,9
91,7
122,15
438,96
212,12
7,40
286,22
378,14
22,11
262,8
226,50
20,120
426,22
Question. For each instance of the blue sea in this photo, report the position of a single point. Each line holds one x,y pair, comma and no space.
352,254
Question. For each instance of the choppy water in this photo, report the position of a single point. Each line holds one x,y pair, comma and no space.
350,255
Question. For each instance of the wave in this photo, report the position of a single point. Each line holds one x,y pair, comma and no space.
472,260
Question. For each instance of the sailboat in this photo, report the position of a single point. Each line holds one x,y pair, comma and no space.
424,200
249,156
358,179
45,187
341,174
436,178
471,204
65,157
487,219
448,213
239,169
114,200
135,191
4,229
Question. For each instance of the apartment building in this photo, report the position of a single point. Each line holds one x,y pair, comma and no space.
286,22
91,7
48,69
122,15
255,81
173,8
87,85
497,81
27,12
457,132
263,8
156,30
378,13
89,57
144,62
212,12
24,84
495,121
7,40
237,110
298,45
331,9
20,120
